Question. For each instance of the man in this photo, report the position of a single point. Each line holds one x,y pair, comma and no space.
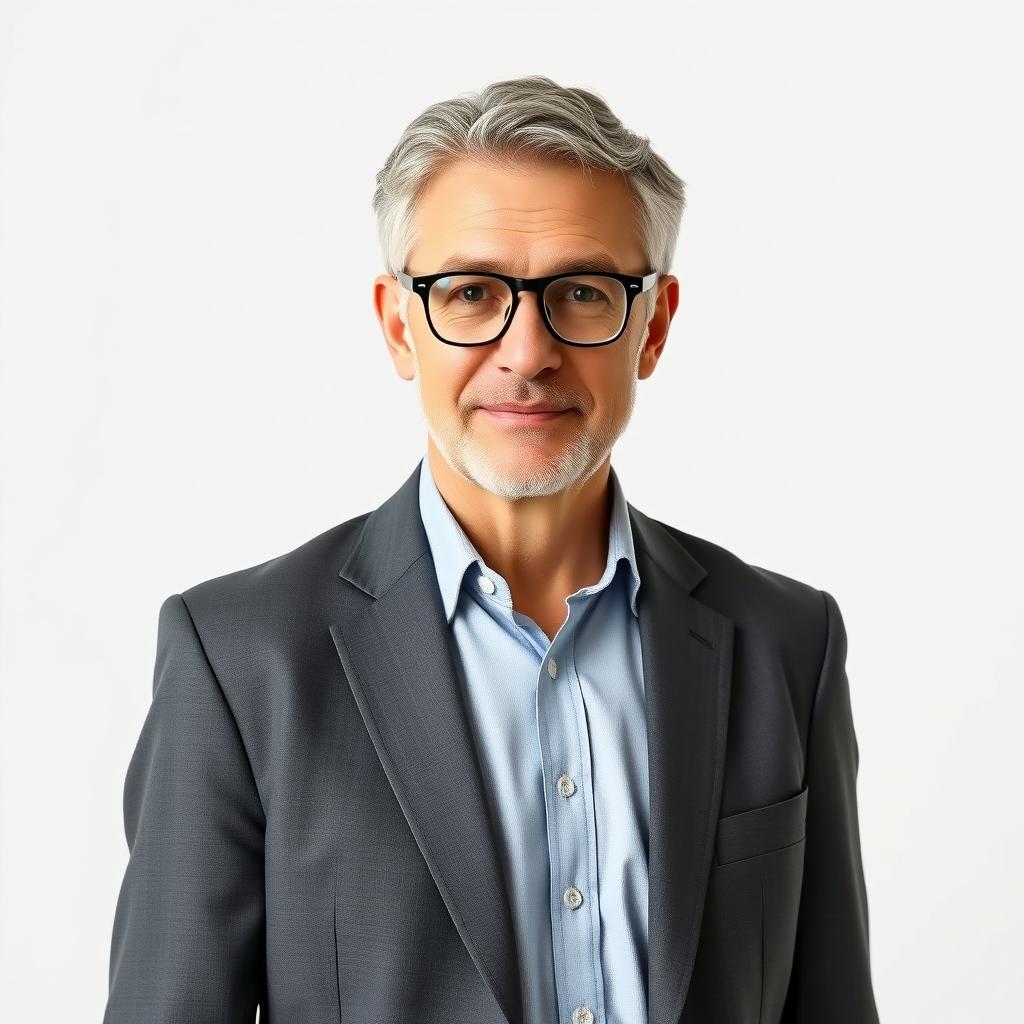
504,749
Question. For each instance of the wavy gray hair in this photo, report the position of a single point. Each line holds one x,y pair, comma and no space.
526,115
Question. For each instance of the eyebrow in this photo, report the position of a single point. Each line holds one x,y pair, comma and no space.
584,261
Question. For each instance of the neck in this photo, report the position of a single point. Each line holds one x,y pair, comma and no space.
544,547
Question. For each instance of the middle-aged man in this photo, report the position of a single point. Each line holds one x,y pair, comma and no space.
505,748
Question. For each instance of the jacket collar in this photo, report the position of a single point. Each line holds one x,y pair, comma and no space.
390,631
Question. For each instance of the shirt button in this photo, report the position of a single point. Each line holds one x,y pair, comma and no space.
582,1015
552,667
486,585
573,897
566,786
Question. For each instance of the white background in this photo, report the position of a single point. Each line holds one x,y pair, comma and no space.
194,381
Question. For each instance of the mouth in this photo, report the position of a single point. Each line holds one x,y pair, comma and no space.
511,416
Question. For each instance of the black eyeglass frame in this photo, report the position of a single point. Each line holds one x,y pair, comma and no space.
634,286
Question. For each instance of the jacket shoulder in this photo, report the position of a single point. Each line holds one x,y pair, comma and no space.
300,578
767,606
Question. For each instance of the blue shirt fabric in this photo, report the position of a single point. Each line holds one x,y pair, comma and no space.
561,736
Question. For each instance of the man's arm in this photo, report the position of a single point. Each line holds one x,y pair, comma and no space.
831,979
188,937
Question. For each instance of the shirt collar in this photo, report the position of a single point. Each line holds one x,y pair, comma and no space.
454,552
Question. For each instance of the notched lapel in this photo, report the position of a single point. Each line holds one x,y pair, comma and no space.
687,657
394,644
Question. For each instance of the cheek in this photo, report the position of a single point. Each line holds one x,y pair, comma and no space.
607,383
445,378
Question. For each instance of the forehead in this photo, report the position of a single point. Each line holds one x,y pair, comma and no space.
529,216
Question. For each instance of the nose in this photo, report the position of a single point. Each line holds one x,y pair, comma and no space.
528,346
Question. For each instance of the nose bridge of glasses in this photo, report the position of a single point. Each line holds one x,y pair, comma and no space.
530,296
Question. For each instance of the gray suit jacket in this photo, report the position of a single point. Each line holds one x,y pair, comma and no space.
308,829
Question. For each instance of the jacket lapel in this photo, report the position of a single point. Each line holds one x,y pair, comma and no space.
393,640
687,656
394,644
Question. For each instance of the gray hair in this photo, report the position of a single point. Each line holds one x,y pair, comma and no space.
529,115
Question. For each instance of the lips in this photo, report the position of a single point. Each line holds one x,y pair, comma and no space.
512,415
523,409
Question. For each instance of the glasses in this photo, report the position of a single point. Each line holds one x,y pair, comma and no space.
579,308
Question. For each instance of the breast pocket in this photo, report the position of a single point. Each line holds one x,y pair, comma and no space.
762,830
746,947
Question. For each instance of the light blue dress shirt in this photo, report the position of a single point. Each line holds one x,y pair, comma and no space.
561,734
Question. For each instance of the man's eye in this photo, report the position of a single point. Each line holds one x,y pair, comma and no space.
584,293
470,293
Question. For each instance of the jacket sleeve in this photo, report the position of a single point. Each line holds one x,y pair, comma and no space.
188,935
831,976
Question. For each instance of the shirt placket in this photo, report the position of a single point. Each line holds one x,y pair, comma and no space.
564,745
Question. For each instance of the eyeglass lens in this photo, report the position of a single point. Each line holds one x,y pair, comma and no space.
472,308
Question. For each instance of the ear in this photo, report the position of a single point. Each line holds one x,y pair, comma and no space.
387,294
657,329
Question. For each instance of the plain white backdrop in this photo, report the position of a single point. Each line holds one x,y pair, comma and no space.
193,381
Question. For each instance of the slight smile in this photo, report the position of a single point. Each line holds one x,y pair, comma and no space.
523,415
